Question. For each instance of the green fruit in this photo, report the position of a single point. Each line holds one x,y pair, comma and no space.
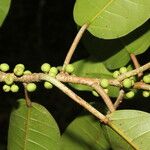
4,67
69,68
31,87
21,66
127,83
106,90
146,78
19,69
48,85
9,79
52,74
14,88
123,70
133,78
95,93
130,94
6,88
54,70
130,67
46,67
104,83
146,93
116,74
27,72
132,82
59,68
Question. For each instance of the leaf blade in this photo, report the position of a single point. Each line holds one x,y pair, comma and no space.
84,133
4,7
133,124
111,18
116,53
32,128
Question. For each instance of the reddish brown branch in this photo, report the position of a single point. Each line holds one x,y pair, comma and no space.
141,85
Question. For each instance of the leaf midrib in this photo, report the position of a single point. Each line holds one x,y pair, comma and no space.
27,128
123,135
101,11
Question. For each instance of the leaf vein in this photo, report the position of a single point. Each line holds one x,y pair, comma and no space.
31,141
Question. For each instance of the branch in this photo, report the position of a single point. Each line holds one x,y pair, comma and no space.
27,99
134,72
94,83
119,99
136,63
75,97
84,80
37,77
74,45
141,85
105,97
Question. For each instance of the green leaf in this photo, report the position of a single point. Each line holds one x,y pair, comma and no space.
135,126
111,19
4,7
32,128
84,133
139,45
92,68
115,53
118,60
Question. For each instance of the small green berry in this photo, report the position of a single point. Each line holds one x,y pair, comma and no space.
4,67
21,66
8,79
123,70
31,87
52,74
133,78
59,68
69,68
6,88
95,93
19,69
132,82
127,83
116,74
130,67
130,94
104,83
46,67
54,70
14,88
106,90
146,78
27,72
48,85
146,93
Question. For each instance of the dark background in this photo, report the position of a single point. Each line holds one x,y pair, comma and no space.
34,32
